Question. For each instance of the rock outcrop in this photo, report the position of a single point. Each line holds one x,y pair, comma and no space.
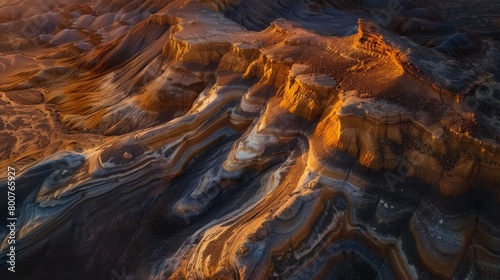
250,140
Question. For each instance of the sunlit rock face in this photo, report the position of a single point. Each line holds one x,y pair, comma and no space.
251,139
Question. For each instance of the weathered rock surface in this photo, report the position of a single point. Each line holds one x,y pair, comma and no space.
249,139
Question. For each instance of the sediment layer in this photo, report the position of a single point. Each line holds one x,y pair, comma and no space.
204,140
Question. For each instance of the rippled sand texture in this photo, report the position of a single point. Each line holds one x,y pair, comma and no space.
252,139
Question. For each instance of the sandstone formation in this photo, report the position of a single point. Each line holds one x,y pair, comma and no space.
252,139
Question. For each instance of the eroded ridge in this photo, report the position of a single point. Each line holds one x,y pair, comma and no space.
203,140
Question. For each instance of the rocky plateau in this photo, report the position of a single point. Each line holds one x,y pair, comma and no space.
251,139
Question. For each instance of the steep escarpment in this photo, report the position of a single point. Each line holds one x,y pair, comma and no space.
205,140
